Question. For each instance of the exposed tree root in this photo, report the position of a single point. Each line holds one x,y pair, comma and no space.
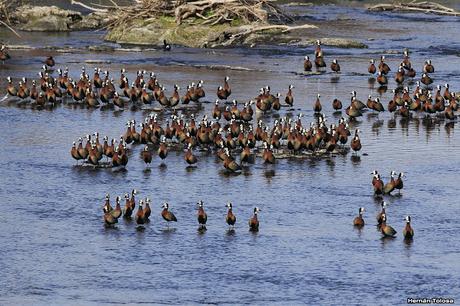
420,7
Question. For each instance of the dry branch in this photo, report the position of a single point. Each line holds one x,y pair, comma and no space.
420,7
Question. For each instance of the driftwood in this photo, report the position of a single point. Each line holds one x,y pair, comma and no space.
5,7
420,7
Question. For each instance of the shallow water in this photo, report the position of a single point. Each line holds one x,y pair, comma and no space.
55,249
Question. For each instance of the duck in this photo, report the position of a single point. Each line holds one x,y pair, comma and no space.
406,61
109,220
10,89
167,215
399,76
385,229
147,210
146,155
202,216
408,231
382,79
390,186
317,106
74,152
254,221
335,66
337,104
163,149
116,213
4,54
382,212
359,221
276,103
140,217
307,65
428,67
447,95
356,142
383,67
372,69
230,218
319,60
128,209
229,163
377,183
49,61
426,79
399,184
377,105
289,99
166,46
189,157
107,208
267,155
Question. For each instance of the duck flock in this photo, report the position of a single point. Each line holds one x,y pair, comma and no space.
144,212
230,128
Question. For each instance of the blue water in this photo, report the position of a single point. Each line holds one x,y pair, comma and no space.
55,249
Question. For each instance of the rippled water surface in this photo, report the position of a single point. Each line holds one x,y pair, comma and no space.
55,249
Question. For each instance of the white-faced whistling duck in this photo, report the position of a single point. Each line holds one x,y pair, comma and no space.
107,207
140,218
307,65
390,186
10,89
399,76
335,66
147,155
147,210
386,230
229,163
428,67
116,213
319,60
382,212
426,79
202,216
166,46
167,215
356,142
408,231
377,105
230,218
317,106
128,210
406,61
189,157
337,104
383,67
382,79
359,221
175,98
254,221
372,69
267,155
399,184
377,183
289,97
74,152
447,95
49,61
4,54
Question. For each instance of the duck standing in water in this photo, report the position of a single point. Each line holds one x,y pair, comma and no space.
380,215
319,56
254,221
335,66
189,157
167,215
408,231
147,156
385,229
202,216
399,184
4,54
390,186
289,97
372,69
230,218
140,217
359,221
307,64
356,142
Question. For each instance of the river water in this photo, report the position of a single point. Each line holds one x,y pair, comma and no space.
55,249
